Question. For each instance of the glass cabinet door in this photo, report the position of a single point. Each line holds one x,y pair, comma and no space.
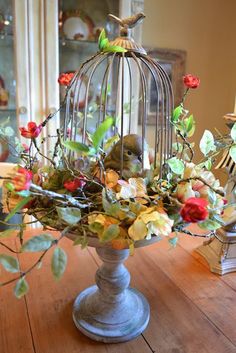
80,24
7,80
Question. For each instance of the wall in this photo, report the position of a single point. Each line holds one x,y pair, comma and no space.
206,29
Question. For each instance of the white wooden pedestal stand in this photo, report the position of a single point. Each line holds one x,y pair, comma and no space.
111,311
220,251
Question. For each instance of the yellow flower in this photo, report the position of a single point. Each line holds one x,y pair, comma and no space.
135,187
98,223
111,179
150,222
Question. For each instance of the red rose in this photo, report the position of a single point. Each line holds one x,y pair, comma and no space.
65,78
32,131
73,185
194,210
22,179
191,81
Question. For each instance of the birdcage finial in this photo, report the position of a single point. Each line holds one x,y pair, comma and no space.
128,22
125,40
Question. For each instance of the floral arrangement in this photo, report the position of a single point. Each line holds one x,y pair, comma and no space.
90,200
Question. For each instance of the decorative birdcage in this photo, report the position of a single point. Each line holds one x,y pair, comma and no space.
127,83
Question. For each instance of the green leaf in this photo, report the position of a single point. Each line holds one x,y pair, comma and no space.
18,207
189,125
102,36
111,208
101,131
114,49
212,197
110,233
10,186
38,243
70,215
209,225
76,146
109,142
96,227
21,288
82,241
10,263
207,142
218,219
232,152
176,113
92,151
7,233
176,165
58,264
233,132
104,43
208,164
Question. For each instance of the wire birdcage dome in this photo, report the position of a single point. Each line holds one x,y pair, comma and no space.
127,85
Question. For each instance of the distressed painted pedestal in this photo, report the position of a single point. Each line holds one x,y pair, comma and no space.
111,311
220,251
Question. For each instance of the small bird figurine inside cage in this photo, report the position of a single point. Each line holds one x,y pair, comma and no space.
131,157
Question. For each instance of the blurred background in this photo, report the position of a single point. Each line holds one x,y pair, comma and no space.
206,30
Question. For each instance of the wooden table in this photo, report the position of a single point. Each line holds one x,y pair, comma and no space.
192,310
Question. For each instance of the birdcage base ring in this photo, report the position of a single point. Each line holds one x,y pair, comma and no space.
111,311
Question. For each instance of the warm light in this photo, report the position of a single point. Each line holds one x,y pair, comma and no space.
6,23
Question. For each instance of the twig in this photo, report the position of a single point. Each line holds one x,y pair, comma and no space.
219,192
63,197
8,248
55,242
181,230
41,154
186,143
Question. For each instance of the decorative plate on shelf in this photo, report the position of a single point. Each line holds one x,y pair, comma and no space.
76,24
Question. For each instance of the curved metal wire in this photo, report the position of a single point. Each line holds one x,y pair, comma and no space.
114,73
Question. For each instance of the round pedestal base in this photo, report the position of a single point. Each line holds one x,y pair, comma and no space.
112,320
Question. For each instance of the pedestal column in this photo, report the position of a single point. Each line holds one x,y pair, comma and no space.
111,311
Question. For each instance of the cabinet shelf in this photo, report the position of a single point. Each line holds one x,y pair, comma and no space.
10,110
80,45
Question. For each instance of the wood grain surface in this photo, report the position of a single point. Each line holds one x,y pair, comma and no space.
192,310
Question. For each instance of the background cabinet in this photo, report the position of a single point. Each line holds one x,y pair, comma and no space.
34,49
